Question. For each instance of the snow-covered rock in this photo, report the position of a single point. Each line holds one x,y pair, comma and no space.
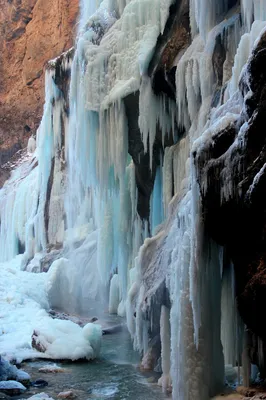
9,371
12,388
61,339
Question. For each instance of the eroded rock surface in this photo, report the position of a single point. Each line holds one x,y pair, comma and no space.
232,178
31,33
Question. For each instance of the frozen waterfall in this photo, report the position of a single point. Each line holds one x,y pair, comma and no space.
105,140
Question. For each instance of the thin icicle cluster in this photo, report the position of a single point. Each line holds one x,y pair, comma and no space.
253,10
205,14
163,112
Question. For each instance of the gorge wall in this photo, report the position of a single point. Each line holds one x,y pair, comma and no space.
147,183
31,33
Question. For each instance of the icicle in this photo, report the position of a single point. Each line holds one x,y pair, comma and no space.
114,297
229,317
253,10
157,216
246,366
204,15
165,380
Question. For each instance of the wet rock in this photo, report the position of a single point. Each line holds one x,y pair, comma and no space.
36,343
232,396
40,383
113,329
52,369
12,388
69,394
149,360
93,319
245,391
4,396
68,317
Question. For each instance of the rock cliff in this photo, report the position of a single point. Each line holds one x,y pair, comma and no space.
31,33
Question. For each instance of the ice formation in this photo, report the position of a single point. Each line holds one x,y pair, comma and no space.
12,385
24,310
163,273
9,371
41,396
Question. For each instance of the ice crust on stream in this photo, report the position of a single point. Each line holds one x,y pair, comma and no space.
76,191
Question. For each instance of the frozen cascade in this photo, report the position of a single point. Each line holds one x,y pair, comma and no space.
24,227
253,10
163,273
165,327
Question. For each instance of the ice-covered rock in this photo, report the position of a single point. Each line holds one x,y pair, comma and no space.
12,388
62,339
11,372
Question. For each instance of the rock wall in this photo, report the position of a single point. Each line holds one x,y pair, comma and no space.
231,174
31,33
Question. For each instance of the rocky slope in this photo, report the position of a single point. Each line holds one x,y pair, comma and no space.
31,33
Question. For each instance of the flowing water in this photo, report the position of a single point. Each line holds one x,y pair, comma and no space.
115,375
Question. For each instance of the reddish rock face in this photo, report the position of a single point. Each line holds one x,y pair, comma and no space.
31,33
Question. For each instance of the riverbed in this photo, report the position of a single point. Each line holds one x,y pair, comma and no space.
114,375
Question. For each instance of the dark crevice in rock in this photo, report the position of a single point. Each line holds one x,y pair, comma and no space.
175,39
218,59
48,198
63,75
144,176
21,247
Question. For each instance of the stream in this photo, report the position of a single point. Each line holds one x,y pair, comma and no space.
114,375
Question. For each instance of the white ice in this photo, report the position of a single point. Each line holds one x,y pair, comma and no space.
24,305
